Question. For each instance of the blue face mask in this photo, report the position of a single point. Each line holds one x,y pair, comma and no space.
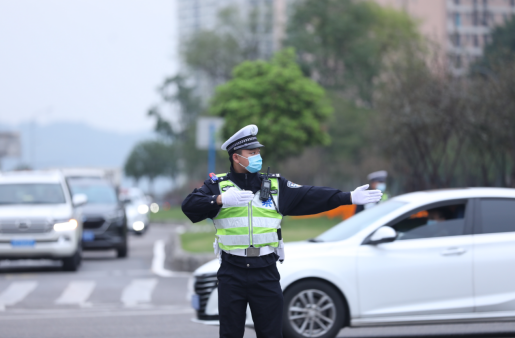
255,163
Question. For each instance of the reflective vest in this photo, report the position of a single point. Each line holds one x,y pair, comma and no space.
253,224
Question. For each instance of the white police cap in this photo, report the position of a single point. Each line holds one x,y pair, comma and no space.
380,176
245,138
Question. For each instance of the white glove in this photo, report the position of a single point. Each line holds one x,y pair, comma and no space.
234,197
362,196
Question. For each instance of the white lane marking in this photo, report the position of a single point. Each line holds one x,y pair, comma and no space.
138,291
96,313
158,262
77,292
16,292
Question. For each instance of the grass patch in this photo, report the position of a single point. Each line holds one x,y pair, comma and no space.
172,214
293,230
198,241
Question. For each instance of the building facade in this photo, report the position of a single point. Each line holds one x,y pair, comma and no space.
197,15
461,27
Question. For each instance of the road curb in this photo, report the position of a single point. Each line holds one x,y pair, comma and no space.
179,260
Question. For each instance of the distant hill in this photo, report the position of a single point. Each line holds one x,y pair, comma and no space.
71,144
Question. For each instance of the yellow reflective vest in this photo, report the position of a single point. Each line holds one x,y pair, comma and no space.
252,224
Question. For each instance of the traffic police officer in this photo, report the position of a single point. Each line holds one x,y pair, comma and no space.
248,231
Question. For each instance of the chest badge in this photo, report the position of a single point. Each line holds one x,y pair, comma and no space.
267,203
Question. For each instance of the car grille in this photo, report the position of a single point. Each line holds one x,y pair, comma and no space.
93,223
32,226
204,285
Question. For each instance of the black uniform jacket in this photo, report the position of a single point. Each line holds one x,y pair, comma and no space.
294,200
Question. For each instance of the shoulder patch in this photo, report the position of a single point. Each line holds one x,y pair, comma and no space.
218,180
290,184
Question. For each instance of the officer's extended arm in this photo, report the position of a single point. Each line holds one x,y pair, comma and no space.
308,200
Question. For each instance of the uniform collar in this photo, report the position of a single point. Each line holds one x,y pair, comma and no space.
242,176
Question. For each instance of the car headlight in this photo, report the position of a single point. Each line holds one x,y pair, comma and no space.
138,225
143,209
154,207
66,226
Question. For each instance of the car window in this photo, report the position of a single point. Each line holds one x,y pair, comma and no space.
31,193
497,215
441,221
358,222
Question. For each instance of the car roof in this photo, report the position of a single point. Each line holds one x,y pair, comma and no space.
430,196
88,181
31,176
132,192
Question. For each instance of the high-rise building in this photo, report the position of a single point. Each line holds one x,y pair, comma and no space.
461,27
196,15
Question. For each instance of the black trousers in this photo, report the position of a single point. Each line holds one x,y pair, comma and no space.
260,288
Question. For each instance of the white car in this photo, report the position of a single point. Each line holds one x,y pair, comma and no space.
39,218
137,210
425,257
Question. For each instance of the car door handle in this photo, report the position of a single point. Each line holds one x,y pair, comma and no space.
453,252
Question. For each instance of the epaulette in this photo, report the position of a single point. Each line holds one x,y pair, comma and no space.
217,179
271,175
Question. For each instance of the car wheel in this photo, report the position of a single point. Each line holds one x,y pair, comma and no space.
312,309
122,251
72,263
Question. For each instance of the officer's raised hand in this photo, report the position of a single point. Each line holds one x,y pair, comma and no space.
363,196
234,197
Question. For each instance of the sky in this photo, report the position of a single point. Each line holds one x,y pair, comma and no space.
96,62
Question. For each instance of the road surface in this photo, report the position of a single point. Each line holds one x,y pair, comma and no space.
123,298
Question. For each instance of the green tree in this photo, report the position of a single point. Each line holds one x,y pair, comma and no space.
342,43
236,38
176,93
151,159
289,108
499,51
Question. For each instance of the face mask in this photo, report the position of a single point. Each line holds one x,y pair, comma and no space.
255,163
431,221
381,186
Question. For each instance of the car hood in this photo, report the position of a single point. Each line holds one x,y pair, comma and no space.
47,211
293,250
100,209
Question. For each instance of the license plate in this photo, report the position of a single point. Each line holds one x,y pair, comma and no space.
88,236
23,242
195,302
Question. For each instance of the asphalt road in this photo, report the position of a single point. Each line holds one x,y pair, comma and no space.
110,297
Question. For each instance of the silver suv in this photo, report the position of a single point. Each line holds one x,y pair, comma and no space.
39,218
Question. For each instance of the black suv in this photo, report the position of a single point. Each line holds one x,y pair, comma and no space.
104,220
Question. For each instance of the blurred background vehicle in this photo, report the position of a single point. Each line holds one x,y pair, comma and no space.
104,220
137,208
112,175
424,257
39,218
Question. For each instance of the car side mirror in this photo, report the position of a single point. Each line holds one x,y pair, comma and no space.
384,234
79,199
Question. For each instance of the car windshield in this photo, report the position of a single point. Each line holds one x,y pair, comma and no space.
97,193
360,221
31,193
